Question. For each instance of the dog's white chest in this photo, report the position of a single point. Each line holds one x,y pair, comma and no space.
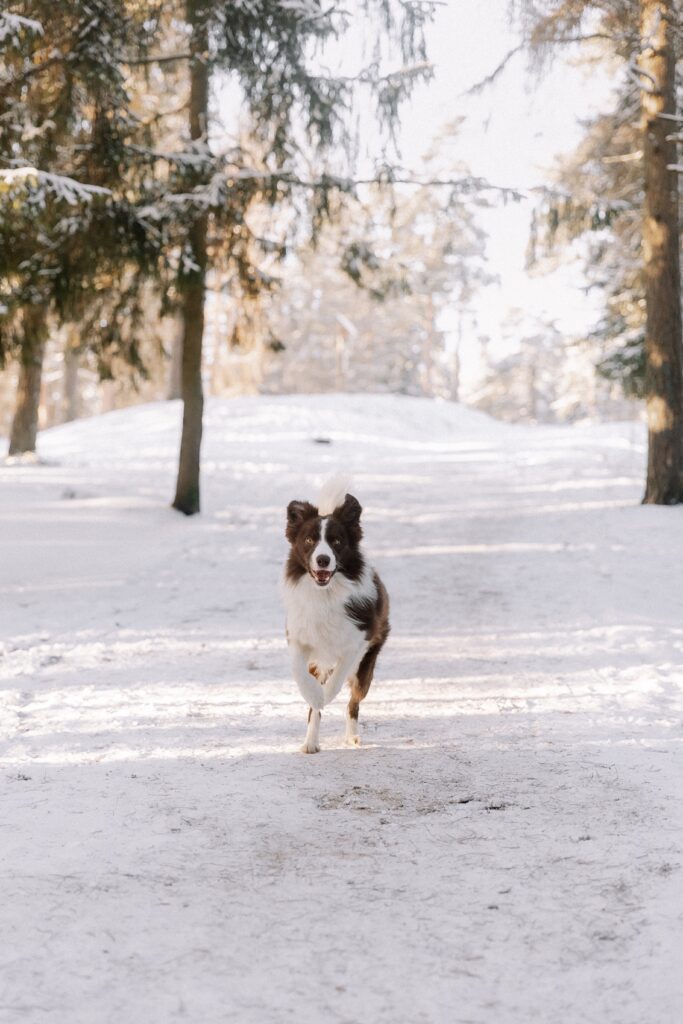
319,622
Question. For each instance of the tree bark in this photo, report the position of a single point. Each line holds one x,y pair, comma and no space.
25,422
175,387
194,284
71,393
663,343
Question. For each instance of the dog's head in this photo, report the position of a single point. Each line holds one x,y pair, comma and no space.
324,545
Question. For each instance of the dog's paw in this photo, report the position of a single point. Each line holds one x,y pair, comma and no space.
352,741
310,748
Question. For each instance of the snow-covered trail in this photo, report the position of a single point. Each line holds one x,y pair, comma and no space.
507,844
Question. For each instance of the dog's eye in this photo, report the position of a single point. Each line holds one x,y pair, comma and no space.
309,542
336,543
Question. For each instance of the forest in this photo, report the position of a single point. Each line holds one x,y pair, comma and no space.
255,250
152,251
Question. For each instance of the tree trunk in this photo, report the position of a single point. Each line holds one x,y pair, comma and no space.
455,363
71,394
25,423
194,285
175,372
663,344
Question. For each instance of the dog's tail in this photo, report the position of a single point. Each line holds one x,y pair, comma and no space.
332,493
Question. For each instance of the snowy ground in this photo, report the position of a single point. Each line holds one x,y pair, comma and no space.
507,844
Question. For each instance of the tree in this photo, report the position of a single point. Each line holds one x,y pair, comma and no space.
72,246
36,234
649,29
267,47
661,248
25,421
193,281
174,212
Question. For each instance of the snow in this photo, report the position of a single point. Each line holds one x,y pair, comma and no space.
504,848
12,26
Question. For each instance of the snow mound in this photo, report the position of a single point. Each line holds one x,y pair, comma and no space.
382,419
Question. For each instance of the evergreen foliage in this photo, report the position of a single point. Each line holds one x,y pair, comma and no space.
72,241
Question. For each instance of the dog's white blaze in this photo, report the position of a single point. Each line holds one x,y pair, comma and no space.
323,548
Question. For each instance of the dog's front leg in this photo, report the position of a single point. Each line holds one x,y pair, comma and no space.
310,688
344,668
312,741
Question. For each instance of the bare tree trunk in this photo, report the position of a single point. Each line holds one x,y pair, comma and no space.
109,396
175,370
428,350
71,396
339,381
455,363
663,344
194,286
532,396
25,423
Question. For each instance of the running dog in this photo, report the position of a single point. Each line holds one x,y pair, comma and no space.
337,607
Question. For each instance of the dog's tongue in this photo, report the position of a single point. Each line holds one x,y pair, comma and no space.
323,576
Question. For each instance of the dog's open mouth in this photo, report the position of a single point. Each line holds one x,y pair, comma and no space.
322,577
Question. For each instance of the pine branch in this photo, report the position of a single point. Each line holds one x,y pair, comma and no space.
558,40
497,71
35,69
368,77
159,58
29,179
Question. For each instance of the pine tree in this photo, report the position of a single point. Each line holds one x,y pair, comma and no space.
649,28
266,45
193,281
73,247
661,249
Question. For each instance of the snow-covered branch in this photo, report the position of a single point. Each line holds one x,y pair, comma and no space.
13,25
186,158
369,76
30,179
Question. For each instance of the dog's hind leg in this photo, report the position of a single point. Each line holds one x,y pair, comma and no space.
360,684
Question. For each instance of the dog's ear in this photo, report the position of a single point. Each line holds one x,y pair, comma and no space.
297,511
349,514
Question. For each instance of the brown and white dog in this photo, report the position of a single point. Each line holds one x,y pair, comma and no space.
337,607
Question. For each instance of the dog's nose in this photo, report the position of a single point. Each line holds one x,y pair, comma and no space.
323,561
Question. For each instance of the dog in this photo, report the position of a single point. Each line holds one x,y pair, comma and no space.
337,607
